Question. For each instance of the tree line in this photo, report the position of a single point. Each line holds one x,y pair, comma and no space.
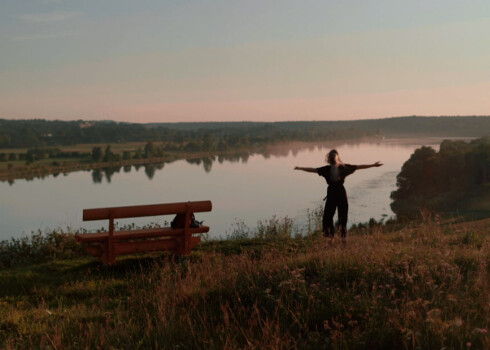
443,180
40,133
35,154
43,133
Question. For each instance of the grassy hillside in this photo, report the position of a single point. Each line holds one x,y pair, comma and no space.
423,285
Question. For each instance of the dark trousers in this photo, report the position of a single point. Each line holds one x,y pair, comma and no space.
336,198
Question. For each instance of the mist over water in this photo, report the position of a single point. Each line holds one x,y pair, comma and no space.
244,188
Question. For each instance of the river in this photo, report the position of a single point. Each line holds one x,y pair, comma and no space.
243,188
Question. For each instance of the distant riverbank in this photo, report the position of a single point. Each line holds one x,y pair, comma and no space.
11,170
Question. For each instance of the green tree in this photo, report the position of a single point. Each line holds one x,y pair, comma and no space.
443,180
208,142
192,147
96,154
126,155
138,154
29,157
108,155
149,149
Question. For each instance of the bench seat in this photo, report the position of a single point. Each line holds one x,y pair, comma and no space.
137,234
99,249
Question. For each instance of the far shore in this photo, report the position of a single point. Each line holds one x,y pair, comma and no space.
21,170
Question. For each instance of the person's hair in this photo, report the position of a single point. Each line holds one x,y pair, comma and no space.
331,158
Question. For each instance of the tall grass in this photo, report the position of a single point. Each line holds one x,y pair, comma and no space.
422,286
39,247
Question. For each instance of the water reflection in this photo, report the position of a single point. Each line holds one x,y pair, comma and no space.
150,170
208,163
282,150
194,161
279,150
97,176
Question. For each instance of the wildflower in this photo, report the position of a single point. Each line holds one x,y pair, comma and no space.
481,330
458,322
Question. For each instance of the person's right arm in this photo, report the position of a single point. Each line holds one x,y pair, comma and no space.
309,170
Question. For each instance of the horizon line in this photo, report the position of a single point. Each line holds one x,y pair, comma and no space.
246,121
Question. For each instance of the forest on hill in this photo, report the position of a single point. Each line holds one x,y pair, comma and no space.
454,178
38,133
392,127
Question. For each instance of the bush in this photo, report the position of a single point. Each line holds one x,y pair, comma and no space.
275,228
39,247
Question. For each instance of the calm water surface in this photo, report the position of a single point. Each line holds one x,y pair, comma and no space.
243,189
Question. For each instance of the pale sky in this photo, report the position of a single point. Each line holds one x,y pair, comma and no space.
260,60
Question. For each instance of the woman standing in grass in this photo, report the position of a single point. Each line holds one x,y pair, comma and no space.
335,174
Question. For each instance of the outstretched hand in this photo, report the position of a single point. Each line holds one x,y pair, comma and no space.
377,164
308,170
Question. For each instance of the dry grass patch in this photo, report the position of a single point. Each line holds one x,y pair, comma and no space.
420,286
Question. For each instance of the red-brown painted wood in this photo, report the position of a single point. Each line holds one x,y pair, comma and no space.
146,210
108,245
121,248
94,250
137,234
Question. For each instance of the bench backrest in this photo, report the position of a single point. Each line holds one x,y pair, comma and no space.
145,210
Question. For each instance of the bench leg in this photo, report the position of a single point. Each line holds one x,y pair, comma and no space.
105,257
111,258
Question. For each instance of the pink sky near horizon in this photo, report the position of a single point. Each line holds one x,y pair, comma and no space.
448,101
459,101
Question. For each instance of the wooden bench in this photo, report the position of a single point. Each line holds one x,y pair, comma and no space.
108,245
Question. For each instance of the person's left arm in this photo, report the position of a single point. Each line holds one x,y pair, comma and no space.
367,166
